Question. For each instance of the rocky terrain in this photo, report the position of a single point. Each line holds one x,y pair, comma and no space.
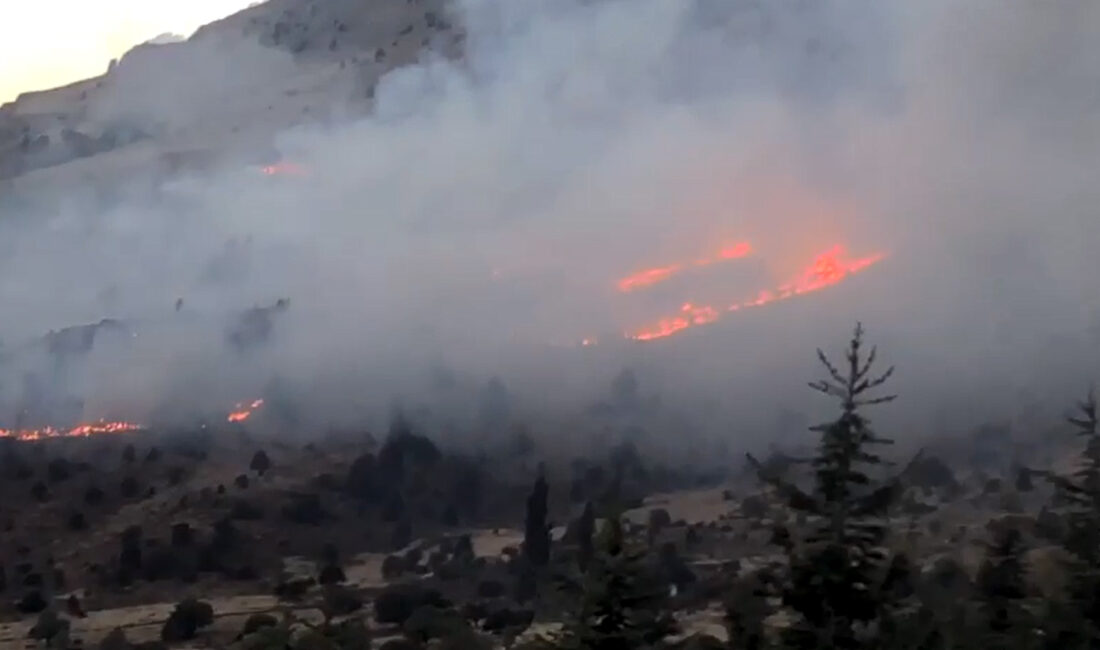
222,94
109,533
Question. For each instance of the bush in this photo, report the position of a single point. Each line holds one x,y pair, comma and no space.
331,574
32,602
361,481
115,640
305,509
397,603
77,521
292,589
256,622
182,535
39,492
505,618
186,620
59,470
245,511
129,487
340,601
260,463
490,589
48,626
428,622
392,567
93,495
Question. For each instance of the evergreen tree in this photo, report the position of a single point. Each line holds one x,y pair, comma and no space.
536,539
260,462
1002,589
586,528
836,582
746,608
1080,494
620,604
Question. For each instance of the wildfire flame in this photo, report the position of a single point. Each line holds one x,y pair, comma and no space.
828,269
283,168
80,431
240,413
243,411
655,275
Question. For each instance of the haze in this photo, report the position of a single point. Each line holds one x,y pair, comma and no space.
477,219
54,42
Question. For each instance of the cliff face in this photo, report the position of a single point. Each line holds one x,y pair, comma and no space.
236,82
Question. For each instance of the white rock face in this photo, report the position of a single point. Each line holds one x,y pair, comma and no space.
235,83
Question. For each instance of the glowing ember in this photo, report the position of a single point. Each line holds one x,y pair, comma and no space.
81,431
650,277
827,269
282,168
242,412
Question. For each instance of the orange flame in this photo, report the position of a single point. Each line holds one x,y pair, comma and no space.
80,431
244,411
649,277
828,269
283,168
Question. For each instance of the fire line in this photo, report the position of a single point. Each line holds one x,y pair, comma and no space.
828,269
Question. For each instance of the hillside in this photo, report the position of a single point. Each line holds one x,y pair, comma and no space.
227,89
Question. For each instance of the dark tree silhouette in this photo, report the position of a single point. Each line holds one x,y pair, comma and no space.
1080,492
620,604
260,463
586,528
836,574
536,538
1002,590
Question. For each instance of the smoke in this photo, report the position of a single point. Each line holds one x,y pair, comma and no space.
476,223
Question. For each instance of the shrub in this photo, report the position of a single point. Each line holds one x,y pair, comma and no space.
428,622
189,616
93,495
48,626
305,509
115,640
260,463
77,521
59,470
129,487
32,602
340,600
182,535
257,622
397,603
331,574
490,589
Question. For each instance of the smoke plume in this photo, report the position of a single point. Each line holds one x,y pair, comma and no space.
476,222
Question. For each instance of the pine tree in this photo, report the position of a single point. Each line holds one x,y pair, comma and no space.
837,573
586,528
1002,589
621,605
746,608
536,539
1080,492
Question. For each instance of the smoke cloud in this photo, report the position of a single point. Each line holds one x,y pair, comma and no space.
474,225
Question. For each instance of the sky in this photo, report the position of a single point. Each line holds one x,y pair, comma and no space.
38,51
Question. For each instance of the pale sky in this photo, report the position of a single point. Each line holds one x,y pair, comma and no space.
48,43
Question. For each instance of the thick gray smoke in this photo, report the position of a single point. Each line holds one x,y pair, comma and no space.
476,223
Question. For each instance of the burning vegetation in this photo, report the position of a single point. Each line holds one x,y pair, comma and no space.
636,562
828,269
